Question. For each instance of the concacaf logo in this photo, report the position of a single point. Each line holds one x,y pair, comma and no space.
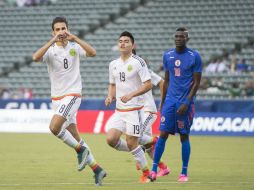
177,63
72,52
129,68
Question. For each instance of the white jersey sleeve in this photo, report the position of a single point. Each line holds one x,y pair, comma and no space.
150,105
155,79
81,51
143,71
45,58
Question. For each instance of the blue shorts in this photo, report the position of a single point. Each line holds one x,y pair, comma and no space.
172,122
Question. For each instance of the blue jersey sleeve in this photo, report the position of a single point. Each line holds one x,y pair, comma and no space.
198,63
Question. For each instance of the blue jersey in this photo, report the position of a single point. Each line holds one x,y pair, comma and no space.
181,67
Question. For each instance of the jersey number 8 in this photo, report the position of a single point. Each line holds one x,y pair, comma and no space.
65,63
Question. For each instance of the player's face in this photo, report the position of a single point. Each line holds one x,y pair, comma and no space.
59,29
125,45
180,39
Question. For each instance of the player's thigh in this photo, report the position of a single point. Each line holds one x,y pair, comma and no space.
67,107
132,141
134,122
184,122
115,122
149,119
168,118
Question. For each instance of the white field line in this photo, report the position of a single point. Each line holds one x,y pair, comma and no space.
128,183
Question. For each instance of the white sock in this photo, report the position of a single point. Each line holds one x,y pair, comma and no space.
90,157
139,156
122,145
145,139
150,152
68,139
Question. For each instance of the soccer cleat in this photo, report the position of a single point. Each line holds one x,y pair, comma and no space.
183,178
99,177
163,172
145,177
152,176
82,159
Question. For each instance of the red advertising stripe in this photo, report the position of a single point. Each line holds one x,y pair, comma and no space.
93,121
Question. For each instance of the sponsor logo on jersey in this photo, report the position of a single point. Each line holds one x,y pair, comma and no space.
72,52
177,63
129,68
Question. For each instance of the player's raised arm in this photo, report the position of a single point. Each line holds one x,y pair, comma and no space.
37,56
90,51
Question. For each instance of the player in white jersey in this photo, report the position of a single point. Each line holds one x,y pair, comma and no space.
129,78
62,55
150,110
150,114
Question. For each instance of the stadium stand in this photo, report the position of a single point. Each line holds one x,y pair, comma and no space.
216,27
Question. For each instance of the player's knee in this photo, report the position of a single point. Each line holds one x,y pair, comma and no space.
56,124
54,130
164,135
112,141
184,137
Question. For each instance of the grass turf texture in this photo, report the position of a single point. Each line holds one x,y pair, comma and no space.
41,161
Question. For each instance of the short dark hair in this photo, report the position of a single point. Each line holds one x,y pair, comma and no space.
128,34
59,19
183,29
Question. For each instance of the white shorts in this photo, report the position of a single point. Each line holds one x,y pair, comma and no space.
150,118
67,108
129,122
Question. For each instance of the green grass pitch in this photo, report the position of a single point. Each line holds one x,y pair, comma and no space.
41,161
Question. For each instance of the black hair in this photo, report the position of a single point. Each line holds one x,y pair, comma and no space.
134,51
128,34
59,19
183,29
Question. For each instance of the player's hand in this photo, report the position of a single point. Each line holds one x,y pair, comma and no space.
182,109
70,36
108,101
58,38
126,98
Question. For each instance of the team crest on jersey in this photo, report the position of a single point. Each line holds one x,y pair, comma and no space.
129,68
162,119
177,63
72,52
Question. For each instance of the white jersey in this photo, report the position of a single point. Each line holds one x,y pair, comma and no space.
128,76
63,68
150,105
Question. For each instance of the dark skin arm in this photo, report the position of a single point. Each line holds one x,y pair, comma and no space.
164,89
196,81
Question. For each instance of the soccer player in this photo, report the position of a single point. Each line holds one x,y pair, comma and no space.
150,115
183,69
62,56
129,78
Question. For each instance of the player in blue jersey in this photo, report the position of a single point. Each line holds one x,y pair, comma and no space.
183,68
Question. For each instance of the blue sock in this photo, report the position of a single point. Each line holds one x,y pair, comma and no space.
159,149
185,155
